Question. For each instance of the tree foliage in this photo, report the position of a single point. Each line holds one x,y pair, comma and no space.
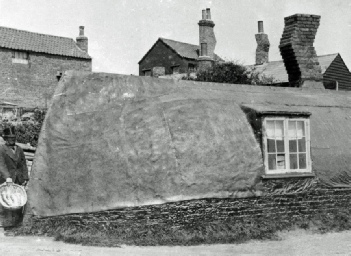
232,72
28,132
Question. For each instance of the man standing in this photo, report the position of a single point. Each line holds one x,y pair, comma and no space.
13,166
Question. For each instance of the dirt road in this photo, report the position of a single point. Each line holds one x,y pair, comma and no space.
292,243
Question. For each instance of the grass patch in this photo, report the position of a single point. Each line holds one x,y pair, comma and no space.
228,231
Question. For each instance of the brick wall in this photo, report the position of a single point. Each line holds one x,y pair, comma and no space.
38,77
299,55
162,56
194,212
206,35
262,49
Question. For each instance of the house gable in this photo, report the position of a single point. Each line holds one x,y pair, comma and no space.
337,72
186,53
162,55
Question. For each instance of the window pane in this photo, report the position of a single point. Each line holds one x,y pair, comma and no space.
302,145
21,55
292,129
270,129
300,129
280,146
271,162
293,161
302,161
279,129
292,146
281,161
271,146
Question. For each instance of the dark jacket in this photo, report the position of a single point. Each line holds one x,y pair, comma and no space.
13,165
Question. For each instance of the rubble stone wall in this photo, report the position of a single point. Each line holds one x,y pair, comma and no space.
194,212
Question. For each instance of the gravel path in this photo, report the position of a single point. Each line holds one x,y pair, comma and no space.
292,243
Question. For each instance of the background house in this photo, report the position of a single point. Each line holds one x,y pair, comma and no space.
336,74
31,64
168,57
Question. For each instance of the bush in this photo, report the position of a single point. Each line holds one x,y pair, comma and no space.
233,73
28,132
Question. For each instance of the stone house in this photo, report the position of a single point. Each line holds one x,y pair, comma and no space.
31,64
335,73
167,57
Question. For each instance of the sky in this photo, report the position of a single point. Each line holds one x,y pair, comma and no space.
120,32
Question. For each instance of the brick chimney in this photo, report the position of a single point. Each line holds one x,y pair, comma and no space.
82,41
299,55
263,44
207,40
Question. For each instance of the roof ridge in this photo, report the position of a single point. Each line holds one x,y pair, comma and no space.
329,54
37,33
324,55
162,38
18,39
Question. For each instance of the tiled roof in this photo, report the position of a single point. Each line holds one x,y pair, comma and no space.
35,42
185,50
277,69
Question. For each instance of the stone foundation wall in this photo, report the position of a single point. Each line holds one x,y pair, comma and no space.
195,212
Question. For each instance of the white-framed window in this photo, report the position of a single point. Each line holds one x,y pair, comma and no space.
20,57
286,144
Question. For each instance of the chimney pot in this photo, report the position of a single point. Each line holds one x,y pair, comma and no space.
81,30
260,26
82,41
203,14
208,11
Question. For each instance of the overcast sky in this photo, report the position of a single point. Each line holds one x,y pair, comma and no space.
120,32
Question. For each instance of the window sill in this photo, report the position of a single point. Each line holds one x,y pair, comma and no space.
288,175
20,61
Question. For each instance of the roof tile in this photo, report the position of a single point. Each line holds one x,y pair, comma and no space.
35,42
277,69
186,50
